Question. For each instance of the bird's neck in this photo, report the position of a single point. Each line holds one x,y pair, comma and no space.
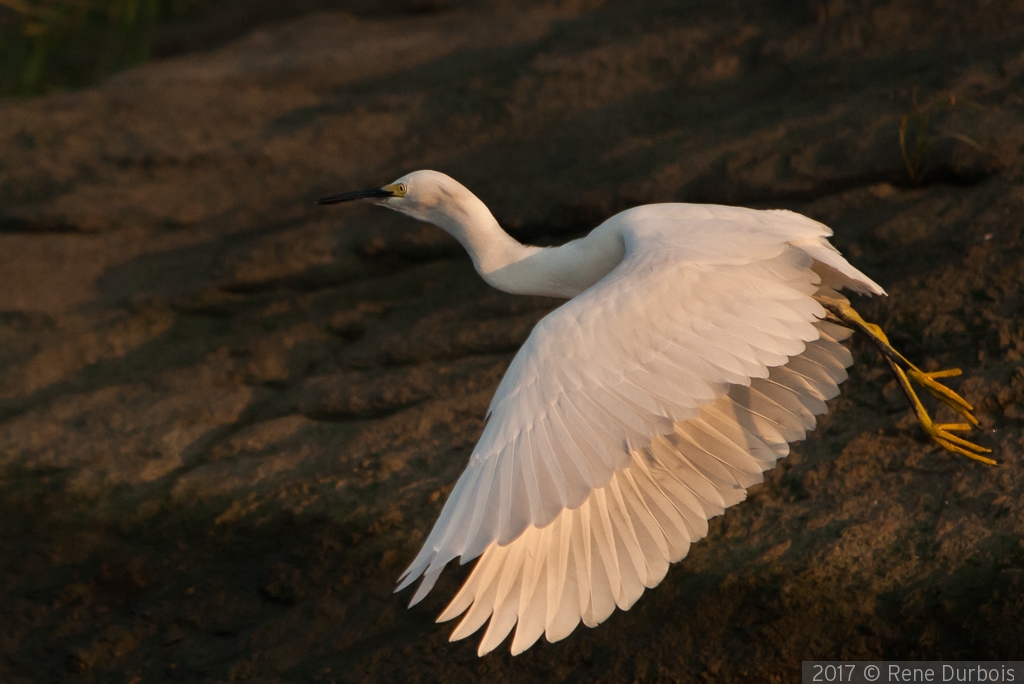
510,266
489,246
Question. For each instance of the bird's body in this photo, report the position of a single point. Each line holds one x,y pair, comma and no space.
693,350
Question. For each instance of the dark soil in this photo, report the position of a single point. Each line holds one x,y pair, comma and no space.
228,417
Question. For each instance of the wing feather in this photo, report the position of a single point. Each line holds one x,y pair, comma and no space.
626,550
652,537
623,523
732,465
665,512
604,536
600,601
484,513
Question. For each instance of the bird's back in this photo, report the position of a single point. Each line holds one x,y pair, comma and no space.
717,234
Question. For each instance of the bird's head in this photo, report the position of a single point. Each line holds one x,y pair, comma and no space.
429,196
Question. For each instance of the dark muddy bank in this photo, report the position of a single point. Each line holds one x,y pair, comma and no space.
228,418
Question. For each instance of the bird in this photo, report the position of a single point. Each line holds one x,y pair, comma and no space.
696,344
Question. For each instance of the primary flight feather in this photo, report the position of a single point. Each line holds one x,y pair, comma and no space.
698,342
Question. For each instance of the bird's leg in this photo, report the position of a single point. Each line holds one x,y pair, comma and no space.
905,372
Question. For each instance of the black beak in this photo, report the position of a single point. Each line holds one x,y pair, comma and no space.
369,193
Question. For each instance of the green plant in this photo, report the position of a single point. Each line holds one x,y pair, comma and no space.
918,124
68,43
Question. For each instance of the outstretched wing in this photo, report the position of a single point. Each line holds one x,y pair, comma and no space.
607,386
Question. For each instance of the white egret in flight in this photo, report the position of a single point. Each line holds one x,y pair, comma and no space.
698,342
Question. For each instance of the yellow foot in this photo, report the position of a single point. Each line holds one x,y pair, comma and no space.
905,371
943,393
941,434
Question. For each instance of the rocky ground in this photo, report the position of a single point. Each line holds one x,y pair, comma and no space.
228,417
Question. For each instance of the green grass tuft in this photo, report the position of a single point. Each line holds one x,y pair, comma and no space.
60,44
919,132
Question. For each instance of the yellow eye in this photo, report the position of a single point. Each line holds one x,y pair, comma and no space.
402,189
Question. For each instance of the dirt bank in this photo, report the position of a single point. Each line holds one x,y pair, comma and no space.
228,418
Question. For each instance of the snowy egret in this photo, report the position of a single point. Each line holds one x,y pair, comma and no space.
697,343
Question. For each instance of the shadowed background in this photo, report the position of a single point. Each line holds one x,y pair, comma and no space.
228,418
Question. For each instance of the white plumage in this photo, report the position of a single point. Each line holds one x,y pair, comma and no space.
691,354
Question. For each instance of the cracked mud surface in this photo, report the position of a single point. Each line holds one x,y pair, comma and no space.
228,418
